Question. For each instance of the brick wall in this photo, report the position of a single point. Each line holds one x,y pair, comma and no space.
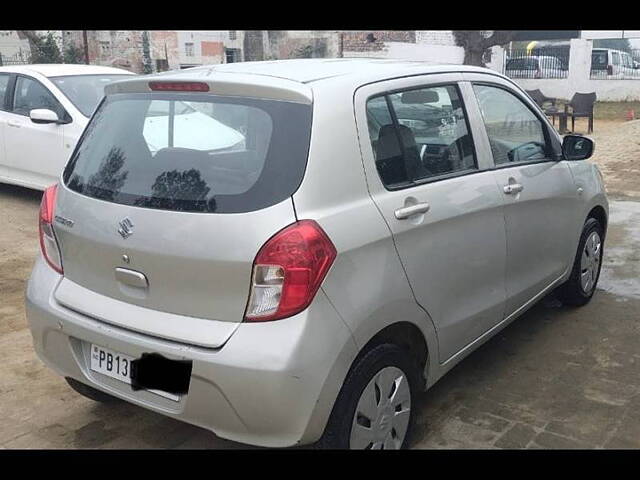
358,41
253,45
212,49
436,37
164,45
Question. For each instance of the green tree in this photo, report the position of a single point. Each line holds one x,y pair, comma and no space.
73,54
44,48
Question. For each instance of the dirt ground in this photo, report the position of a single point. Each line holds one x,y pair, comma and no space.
555,378
617,154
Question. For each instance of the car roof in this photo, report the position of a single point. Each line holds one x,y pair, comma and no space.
292,79
58,70
602,49
315,69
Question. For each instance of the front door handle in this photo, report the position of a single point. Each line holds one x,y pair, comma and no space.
13,124
406,212
513,188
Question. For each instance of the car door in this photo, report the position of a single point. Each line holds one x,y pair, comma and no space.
35,152
4,88
539,194
439,199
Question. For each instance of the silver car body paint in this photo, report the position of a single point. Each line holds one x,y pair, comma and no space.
275,383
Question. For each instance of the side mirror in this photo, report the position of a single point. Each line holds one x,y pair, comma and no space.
43,115
577,147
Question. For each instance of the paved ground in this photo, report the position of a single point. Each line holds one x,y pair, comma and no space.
555,378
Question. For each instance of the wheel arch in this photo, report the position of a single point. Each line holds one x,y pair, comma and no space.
407,336
599,213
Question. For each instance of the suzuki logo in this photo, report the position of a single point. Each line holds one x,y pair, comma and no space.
126,227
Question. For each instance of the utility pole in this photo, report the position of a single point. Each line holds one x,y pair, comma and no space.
86,47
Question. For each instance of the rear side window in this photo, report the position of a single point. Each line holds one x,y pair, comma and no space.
191,152
419,134
4,86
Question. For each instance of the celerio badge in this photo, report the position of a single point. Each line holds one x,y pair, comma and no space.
126,227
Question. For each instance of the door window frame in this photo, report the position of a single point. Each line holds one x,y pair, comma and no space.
388,87
553,149
4,103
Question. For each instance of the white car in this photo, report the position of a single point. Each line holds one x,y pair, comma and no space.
541,66
611,64
43,112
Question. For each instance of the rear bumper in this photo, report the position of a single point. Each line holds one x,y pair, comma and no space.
272,384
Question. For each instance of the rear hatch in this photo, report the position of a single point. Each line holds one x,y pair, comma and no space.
166,201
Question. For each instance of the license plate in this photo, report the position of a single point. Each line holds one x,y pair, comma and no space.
118,365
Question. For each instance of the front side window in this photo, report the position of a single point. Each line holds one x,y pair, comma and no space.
31,94
419,134
515,133
190,152
4,86
616,58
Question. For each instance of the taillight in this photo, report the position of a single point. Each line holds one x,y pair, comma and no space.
288,271
179,86
48,242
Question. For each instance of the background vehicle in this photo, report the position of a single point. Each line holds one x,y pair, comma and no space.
535,67
43,111
610,63
355,230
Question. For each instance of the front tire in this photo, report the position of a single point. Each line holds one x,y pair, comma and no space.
376,405
581,285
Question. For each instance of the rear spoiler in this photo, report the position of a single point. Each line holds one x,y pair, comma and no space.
226,84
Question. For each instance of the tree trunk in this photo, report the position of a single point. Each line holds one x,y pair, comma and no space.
476,44
474,57
33,38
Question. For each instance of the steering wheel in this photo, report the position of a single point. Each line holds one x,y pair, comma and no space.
514,154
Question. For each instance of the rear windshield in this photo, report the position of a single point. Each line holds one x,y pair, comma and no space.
192,152
599,60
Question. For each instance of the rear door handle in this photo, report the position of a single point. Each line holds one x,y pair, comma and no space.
513,188
406,212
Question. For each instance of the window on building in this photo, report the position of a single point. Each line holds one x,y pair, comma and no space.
232,55
232,35
105,48
188,49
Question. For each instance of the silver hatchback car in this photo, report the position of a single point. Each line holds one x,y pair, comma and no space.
286,253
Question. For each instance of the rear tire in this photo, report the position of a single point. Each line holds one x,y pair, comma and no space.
581,285
90,392
388,374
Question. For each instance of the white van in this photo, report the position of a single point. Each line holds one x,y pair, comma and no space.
613,64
